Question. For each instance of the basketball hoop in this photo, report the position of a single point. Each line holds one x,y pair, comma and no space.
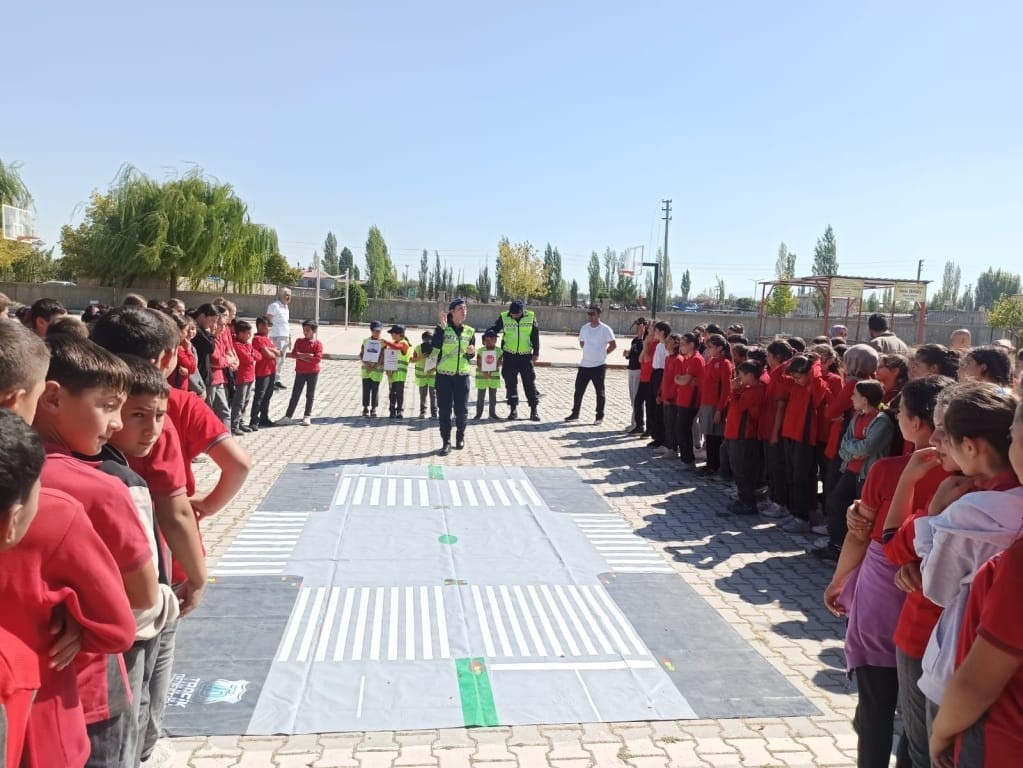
28,239
626,273
17,224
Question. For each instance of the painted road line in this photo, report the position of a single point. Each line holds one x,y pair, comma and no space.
501,495
328,620
360,624
502,635
424,609
410,625
488,500
342,492
581,666
406,492
360,489
544,621
591,620
248,572
442,623
520,497
392,493
346,617
560,592
623,623
293,626
527,615
424,494
314,618
612,630
530,491
378,623
559,620
520,639
488,641
470,494
456,497
392,626
374,494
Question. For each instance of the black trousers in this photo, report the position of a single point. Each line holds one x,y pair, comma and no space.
370,393
583,376
261,394
515,365
305,381
641,403
654,412
684,418
777,477
428,393
878,693
746,458
397,396
452,395
713,445
842,495
670,425
801,474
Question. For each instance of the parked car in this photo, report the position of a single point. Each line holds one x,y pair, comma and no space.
67,283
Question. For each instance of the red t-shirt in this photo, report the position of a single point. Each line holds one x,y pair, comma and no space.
777,391
879,489
744,413
669,389
265,366
688,395
198,430
307,346
186,360
835,413
246,372
646,366
993,612
62,559
834,383
218,357
163,468
716,386
19,681
803,409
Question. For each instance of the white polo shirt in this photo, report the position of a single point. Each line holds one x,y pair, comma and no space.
595,341
280,315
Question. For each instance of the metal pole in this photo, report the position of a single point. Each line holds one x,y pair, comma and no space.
348,282
667,218
316,311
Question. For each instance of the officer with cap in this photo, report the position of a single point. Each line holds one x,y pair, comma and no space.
521,345
456,341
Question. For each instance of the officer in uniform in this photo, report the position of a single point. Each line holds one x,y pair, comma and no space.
457,344
521,345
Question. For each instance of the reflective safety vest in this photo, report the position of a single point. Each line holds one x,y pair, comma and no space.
422,377
401,373
517,332
454,349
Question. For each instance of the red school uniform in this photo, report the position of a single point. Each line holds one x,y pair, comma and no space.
716,385
62,560
246,371
919,615
803,408
222,344
744,412
835,413
19,681
307,346
646,365
265,366
186,360
672,367
688,395
777,391
992,612
835,385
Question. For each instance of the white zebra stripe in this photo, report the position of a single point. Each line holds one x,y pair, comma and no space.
456,497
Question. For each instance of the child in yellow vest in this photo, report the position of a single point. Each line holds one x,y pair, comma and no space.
488,373
372,368
396,357
424,355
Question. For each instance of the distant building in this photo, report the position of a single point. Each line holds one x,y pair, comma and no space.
308,280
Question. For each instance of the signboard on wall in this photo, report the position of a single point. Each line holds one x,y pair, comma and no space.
846,288
913,292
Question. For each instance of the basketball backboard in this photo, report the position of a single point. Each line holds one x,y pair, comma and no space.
631,261
18,224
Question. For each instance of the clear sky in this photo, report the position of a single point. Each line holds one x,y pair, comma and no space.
452,124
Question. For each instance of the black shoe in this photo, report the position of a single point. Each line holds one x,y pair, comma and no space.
654,444
479,415
636,431
533,415
245,428
422,414
237,432
572,417
365,412
372,413
737,508
433,414
513,414
253,426
828,554
459,443
278,385
265,423
445,449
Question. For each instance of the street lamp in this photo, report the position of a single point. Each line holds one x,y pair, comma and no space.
653,299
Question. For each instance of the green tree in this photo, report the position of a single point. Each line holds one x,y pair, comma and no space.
966,299
1007,314
781,301
467,290
873,305
993,285
13,191
358,301
347,261
596,283
825,262
381,278
625,290
746,304
331,263
483,284
686,286
522,271
948,296
555,282
610,272
573,293
277,271
424,275
437,278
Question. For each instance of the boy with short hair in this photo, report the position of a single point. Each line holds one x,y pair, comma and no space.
244,376
371,371
397,376
307,352
42,313
266,372
426,380
488,381
77,414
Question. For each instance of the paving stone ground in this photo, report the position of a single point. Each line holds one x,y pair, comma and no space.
757,577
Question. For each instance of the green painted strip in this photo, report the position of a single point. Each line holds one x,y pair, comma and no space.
436,473
478,707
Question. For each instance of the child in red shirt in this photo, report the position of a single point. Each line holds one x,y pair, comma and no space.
742,428
805,395
672,366
715,391
244,376
266,369
308,351
778,355
687,397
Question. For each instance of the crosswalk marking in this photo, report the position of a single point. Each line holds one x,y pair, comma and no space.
382,490
623,549
263,546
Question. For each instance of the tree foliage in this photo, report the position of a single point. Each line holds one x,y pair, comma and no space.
1007,314
467,290
782,302
555,282
277,271
358,301
190,227
330,263
347,261
381,278
686,286
825,254
483,286
522,272
573,293
993,285
13,190
424,275
596,282
948,296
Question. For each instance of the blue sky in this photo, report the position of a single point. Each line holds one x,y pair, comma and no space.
452,124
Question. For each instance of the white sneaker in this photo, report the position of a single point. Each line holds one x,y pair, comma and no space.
307,422
162,755
598,422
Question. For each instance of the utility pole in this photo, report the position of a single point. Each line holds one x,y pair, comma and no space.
667,218
919,269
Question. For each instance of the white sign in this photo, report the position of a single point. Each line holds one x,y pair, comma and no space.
390,359
371,351
430,364
910,292
489,360
846,288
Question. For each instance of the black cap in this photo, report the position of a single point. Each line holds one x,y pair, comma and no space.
490,333
397,328
376,325
455,303
515,307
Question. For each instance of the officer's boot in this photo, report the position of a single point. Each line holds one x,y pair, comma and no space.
479,404
513,413
493,404
533,415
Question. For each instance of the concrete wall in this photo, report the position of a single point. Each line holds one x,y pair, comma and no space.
551,319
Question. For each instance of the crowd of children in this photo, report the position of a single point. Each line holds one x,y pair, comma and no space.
909,469
100,550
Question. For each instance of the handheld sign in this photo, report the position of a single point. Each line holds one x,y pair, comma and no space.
489,361
371,351
430,364
390,359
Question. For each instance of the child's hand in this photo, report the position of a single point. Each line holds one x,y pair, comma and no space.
189,596
950,490
908,578
856,522
831,595
920,463
717,417
69,637
443,319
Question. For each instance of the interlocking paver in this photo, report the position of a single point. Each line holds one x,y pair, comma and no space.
754,575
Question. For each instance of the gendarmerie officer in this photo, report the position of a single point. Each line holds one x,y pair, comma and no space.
521,345
457,344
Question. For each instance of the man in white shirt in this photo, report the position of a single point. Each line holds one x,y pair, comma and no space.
279,313
597,341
